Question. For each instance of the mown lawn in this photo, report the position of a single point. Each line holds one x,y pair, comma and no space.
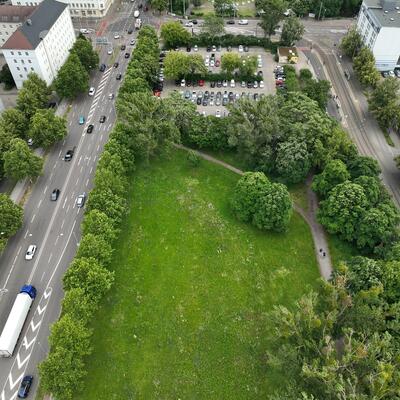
187,316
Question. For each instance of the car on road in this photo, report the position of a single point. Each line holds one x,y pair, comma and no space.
111,96
241,48
123,47
25,386
30,252
130,31
92,91
80,200
102,119
118,77
103,67
69,154
116,64
116,36
127,55
136,13
243,22
90,128
195,48
109,51
81,120
54,194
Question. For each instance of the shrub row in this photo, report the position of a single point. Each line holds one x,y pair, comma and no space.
88,278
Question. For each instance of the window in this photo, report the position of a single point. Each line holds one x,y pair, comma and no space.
32,69
10,26
20,75
19,53
29,61
26,53
12,53
6,33
25,69
15,60
18,68
22,61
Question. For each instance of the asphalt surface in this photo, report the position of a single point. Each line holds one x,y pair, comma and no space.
55,226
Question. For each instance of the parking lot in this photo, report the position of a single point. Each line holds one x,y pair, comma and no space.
231,91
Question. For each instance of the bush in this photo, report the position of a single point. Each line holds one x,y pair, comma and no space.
193,158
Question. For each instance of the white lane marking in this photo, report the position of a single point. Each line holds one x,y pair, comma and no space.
64,202
45,190
69,205
94,159
51,175
40,202
51,255
55,243
15,259
87,182
23,362
40,310
33,326
54,166
62,224
101,137
59,154
26,234
14,383
80,158
98,146
64,141
26,344
33,218
70,123
91,169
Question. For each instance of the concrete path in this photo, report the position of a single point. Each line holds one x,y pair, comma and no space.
317,230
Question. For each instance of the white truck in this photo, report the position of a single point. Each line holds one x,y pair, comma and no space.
16,319
138,24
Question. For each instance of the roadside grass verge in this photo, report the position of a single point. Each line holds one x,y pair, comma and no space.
187,314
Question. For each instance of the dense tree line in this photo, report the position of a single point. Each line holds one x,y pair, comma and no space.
145,125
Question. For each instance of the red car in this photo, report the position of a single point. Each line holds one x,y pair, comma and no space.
201,82
157,93
217,63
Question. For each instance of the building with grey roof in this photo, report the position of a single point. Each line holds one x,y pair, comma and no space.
41,44
379,25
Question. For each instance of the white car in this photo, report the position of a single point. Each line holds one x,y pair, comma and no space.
132,42
136,13
207,63
218,114
255,85
30,252
189,24
80,200
241,49
232,84
109,51
84,30
92,91
183,83
243,22
195,48
391,74
214,48
212,63
30,142
111,96
116,36
259,65
261,84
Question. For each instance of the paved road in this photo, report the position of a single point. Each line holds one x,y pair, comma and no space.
55,226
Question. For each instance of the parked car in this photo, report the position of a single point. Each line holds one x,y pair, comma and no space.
92,91
212,84
261,84
116,64
219,83
195,48
225,83
132,42
109,51
30,252
54,194
246,49
183,83
231,22
116,36
241,48
218,114
127,55
214,48
243,22
208,49
130,31
217,63
232,83
201,82
118,77
255,84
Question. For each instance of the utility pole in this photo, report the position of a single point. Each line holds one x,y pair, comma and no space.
320,9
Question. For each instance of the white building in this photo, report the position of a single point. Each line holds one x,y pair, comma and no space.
11,18
41,44
77,8
379,25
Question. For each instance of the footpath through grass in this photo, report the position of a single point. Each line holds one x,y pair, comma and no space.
186,318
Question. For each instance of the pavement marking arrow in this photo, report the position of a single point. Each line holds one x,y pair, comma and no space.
26,344
40,310
14,383
21,364
34,327
47,292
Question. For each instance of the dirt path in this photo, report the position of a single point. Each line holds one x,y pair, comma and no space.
317,231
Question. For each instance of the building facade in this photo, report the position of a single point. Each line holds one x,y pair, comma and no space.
379,25
77,8
11,18
41,44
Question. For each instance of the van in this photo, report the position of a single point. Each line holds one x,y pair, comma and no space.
136,13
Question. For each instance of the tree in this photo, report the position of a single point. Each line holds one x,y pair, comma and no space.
352,43
11,216
334,173
292,31
87,56
196,64
248,189
293,160
14,122
372,188
272,14
97,248
79,306
47,128
224,7
318,91
364,67
213,25
20,162
384,102
72,78
176,65
108,202
342,212
159,5
174,34
248,66
87,274
300,7
363,166
273,209
6,77
97,223
229,62
33,95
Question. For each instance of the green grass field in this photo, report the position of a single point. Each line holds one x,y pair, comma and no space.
187,315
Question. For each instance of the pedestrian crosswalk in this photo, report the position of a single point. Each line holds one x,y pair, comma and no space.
98,94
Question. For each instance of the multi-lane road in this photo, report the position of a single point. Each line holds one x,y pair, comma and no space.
55,226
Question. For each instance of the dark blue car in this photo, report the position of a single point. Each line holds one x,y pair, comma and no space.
25,386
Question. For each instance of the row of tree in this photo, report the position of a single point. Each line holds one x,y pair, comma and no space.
144,125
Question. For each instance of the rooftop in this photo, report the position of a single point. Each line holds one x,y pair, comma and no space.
386,12
15,14
35,28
